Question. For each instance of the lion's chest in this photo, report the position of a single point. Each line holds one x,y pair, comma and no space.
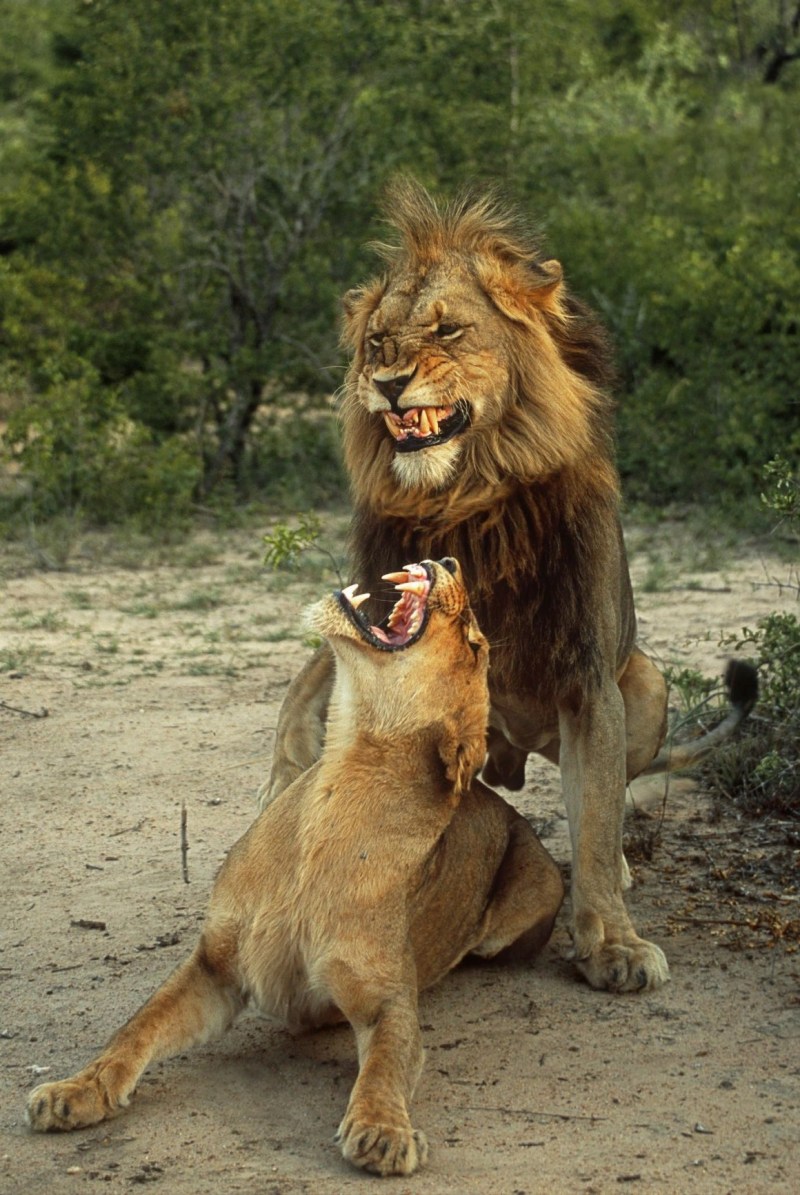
526,722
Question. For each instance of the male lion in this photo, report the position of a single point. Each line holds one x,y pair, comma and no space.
370,877
476,424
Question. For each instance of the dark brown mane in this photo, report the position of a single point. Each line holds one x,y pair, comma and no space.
532,565
533,507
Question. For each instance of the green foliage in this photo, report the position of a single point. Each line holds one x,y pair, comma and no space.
77,450
187,188
783,492
760,770
286,545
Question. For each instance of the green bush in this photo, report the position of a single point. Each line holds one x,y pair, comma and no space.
77,452
760,769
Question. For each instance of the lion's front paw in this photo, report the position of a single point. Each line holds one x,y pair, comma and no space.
382,1148
632,965
65,1105
85,1099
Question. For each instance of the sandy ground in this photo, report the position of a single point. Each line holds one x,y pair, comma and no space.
162,682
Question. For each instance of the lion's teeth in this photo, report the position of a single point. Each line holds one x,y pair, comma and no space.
420,588
433,420
403,576
392,423
424,422
359,600
350,590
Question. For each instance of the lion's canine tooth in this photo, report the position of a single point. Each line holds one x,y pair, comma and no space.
403,576
433,420
420,588
359,599
392,423
424,422
350,590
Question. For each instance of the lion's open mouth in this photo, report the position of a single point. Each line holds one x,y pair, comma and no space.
424,427
408,617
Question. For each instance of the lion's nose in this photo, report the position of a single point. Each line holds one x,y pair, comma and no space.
392,388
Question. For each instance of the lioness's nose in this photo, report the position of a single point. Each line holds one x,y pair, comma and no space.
392,388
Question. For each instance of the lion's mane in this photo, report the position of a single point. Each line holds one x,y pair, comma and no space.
532,510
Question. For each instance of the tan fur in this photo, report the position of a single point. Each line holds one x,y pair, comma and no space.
369,878
468,312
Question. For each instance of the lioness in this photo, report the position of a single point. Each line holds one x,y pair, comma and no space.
369,878
477,423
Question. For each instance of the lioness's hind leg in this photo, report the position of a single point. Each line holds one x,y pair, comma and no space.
526,896
193,1005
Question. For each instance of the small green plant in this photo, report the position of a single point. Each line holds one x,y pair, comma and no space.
760,769
285,545
200,600
693,689
783,489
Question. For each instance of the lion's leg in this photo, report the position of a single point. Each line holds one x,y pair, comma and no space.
193,1005
526,895
644,692
607,949
505,763
301,725
376,1132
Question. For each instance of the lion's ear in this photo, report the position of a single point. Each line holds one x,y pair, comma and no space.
520,292
358,305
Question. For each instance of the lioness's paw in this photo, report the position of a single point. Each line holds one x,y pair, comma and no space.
382,1148
70,1104
632,966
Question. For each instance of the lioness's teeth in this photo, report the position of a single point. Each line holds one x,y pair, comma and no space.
433,419
358,600
420,588
395,576
424,422
350,590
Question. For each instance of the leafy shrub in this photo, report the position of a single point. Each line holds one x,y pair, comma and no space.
77,452
760,769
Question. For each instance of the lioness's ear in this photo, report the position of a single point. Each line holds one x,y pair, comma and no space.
519,291
358,305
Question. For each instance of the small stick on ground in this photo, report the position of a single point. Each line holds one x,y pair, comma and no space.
184,845
13,709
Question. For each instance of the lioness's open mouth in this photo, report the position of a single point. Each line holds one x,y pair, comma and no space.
424,427
407,618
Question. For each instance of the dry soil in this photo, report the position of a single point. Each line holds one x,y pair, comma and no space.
161,681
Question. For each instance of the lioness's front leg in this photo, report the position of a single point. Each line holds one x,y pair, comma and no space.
193,1005
607,949
376,1133
300,732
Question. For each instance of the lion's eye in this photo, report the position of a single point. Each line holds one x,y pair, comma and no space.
448,331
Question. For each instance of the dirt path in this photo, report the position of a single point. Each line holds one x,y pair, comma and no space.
162,685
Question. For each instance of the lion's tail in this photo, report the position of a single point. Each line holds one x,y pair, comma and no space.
741,683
